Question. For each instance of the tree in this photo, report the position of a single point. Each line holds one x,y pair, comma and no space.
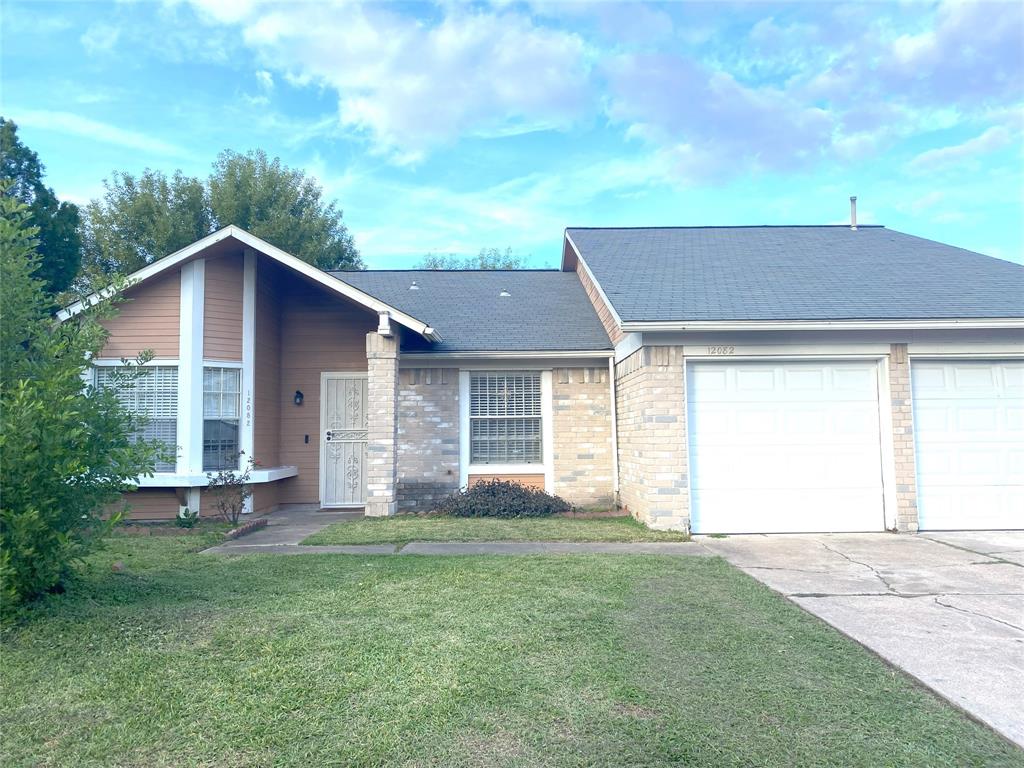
281,205
58,222
488,258
139,220
66,449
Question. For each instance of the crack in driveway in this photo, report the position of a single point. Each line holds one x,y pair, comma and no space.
871,568
976,613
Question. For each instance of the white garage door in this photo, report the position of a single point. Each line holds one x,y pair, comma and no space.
969,434
784,447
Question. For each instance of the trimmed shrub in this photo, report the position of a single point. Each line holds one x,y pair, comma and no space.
501,498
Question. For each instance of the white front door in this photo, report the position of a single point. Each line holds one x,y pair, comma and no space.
969,440
343,439
778,447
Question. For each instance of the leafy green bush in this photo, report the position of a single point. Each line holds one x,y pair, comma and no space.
501,498
66,449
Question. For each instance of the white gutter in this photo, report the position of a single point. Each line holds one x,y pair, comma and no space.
615,430
823,325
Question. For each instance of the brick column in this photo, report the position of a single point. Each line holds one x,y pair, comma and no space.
903,439
653,461
382,424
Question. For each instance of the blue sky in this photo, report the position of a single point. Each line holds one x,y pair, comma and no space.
449,127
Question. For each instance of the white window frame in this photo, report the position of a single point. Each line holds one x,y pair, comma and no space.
237,365
154,363
546,467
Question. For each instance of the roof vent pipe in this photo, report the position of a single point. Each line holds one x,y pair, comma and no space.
853,212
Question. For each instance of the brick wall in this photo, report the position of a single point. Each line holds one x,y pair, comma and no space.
428,436
651,405
581,405
903,438
382,397
602,309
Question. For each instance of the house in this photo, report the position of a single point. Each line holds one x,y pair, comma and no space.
715,379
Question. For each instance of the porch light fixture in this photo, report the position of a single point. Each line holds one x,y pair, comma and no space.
298,397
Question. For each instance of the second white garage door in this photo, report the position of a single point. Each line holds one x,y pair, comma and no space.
784,447
969,433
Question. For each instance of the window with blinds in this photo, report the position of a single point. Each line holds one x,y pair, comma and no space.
221,407
505,418
153,394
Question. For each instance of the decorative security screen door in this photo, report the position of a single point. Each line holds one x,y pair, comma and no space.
343,440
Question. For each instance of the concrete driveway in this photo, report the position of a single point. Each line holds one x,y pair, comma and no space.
946,607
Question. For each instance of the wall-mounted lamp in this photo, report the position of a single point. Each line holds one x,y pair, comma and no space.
298,397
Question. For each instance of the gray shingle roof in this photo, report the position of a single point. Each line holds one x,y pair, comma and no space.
794,273
548,310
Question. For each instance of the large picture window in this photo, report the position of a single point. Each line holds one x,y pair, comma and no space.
505,418
153,394
220,418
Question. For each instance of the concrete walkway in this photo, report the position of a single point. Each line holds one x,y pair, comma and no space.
948,608
286,529
466,548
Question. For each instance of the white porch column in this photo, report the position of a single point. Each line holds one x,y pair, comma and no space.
190,368
246,441
190,373
382,424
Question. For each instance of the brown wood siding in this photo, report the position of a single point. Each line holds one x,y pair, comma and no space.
222,311
602,309
265,498
319,332
149,504
149,320
267,365
530,481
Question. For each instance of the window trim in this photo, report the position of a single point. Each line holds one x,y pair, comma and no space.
546,467
233,365
157,362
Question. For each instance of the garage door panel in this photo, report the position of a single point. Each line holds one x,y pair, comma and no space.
985,507
788,446
784,510
784,466
969,441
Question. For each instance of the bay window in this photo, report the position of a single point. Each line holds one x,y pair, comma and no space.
221,409
505,418
152,393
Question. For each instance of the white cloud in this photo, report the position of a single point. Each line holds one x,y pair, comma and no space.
76,125
100,38
265,80
412,85
993,139
673,101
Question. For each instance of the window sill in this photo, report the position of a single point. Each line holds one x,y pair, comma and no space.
200,480
506,469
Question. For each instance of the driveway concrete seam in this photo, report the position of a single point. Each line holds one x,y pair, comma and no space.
976,613
991,556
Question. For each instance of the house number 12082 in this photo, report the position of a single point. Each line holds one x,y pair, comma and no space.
721,350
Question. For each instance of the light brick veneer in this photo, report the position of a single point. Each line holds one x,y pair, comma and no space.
382,424
903,438
582,426
651,405
428,437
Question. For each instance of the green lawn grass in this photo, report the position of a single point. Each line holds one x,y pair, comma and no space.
186,659
403,529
